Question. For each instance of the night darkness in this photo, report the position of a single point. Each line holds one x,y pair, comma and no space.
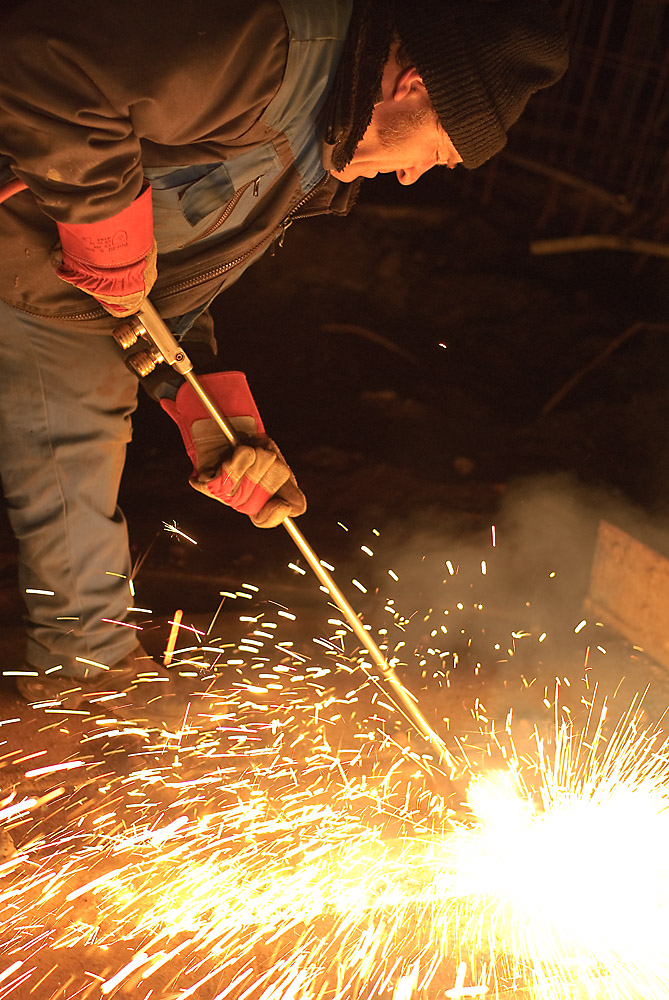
465,415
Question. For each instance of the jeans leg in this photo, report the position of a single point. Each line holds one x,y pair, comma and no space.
66,400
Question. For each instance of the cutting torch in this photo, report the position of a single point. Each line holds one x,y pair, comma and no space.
148,326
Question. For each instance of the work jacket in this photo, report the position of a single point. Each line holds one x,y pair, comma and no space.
219,106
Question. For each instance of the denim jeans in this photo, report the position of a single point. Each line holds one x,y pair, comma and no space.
66,400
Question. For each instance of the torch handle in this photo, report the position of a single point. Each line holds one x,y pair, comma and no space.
174,354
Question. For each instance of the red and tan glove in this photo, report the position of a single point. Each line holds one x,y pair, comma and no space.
253,477
115,260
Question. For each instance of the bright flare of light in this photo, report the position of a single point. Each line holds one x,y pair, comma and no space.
559,885
260,863
569,887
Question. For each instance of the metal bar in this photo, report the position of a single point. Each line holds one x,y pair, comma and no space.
173,354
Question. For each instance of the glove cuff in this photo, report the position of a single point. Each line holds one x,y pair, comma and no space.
121,241
229,390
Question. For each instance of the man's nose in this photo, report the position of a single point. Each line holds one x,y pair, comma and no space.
409,175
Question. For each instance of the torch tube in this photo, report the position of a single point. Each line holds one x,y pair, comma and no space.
173,354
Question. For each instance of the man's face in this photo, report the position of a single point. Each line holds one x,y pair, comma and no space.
404,137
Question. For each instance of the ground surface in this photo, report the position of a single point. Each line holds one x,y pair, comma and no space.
402,358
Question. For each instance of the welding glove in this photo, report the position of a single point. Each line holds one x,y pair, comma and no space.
251,477
115,260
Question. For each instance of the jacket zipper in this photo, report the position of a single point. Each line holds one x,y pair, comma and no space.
213,272
216,272
287,223
227,211
293,216
179,286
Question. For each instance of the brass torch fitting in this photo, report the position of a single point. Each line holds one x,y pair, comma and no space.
144,362
128,333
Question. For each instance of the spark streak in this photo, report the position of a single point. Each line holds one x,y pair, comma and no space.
295,851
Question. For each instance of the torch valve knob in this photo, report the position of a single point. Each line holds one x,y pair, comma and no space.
128,333
144,362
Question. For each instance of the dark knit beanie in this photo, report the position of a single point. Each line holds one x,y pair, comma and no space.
481,61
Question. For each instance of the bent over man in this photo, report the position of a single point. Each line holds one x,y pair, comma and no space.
163,147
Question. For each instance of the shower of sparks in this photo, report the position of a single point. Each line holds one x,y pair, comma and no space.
286,844
563,876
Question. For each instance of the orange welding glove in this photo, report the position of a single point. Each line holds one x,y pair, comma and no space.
252,477
115,260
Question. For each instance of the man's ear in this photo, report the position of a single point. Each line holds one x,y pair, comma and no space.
408,80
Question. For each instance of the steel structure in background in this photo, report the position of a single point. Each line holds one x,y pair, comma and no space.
597,143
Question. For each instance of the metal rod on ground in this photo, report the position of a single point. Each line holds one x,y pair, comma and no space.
173,354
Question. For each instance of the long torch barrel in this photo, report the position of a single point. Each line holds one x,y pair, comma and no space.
173,353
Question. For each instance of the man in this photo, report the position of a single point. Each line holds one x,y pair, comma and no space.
165,147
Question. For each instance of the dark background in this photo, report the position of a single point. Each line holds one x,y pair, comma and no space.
424,369
402,358
419,365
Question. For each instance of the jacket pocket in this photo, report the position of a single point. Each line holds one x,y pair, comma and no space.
210,200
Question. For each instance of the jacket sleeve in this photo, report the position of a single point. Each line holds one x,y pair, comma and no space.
84,86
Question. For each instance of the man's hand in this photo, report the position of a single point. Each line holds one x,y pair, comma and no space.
115,260
252,477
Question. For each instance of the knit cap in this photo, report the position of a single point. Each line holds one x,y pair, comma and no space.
481,61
